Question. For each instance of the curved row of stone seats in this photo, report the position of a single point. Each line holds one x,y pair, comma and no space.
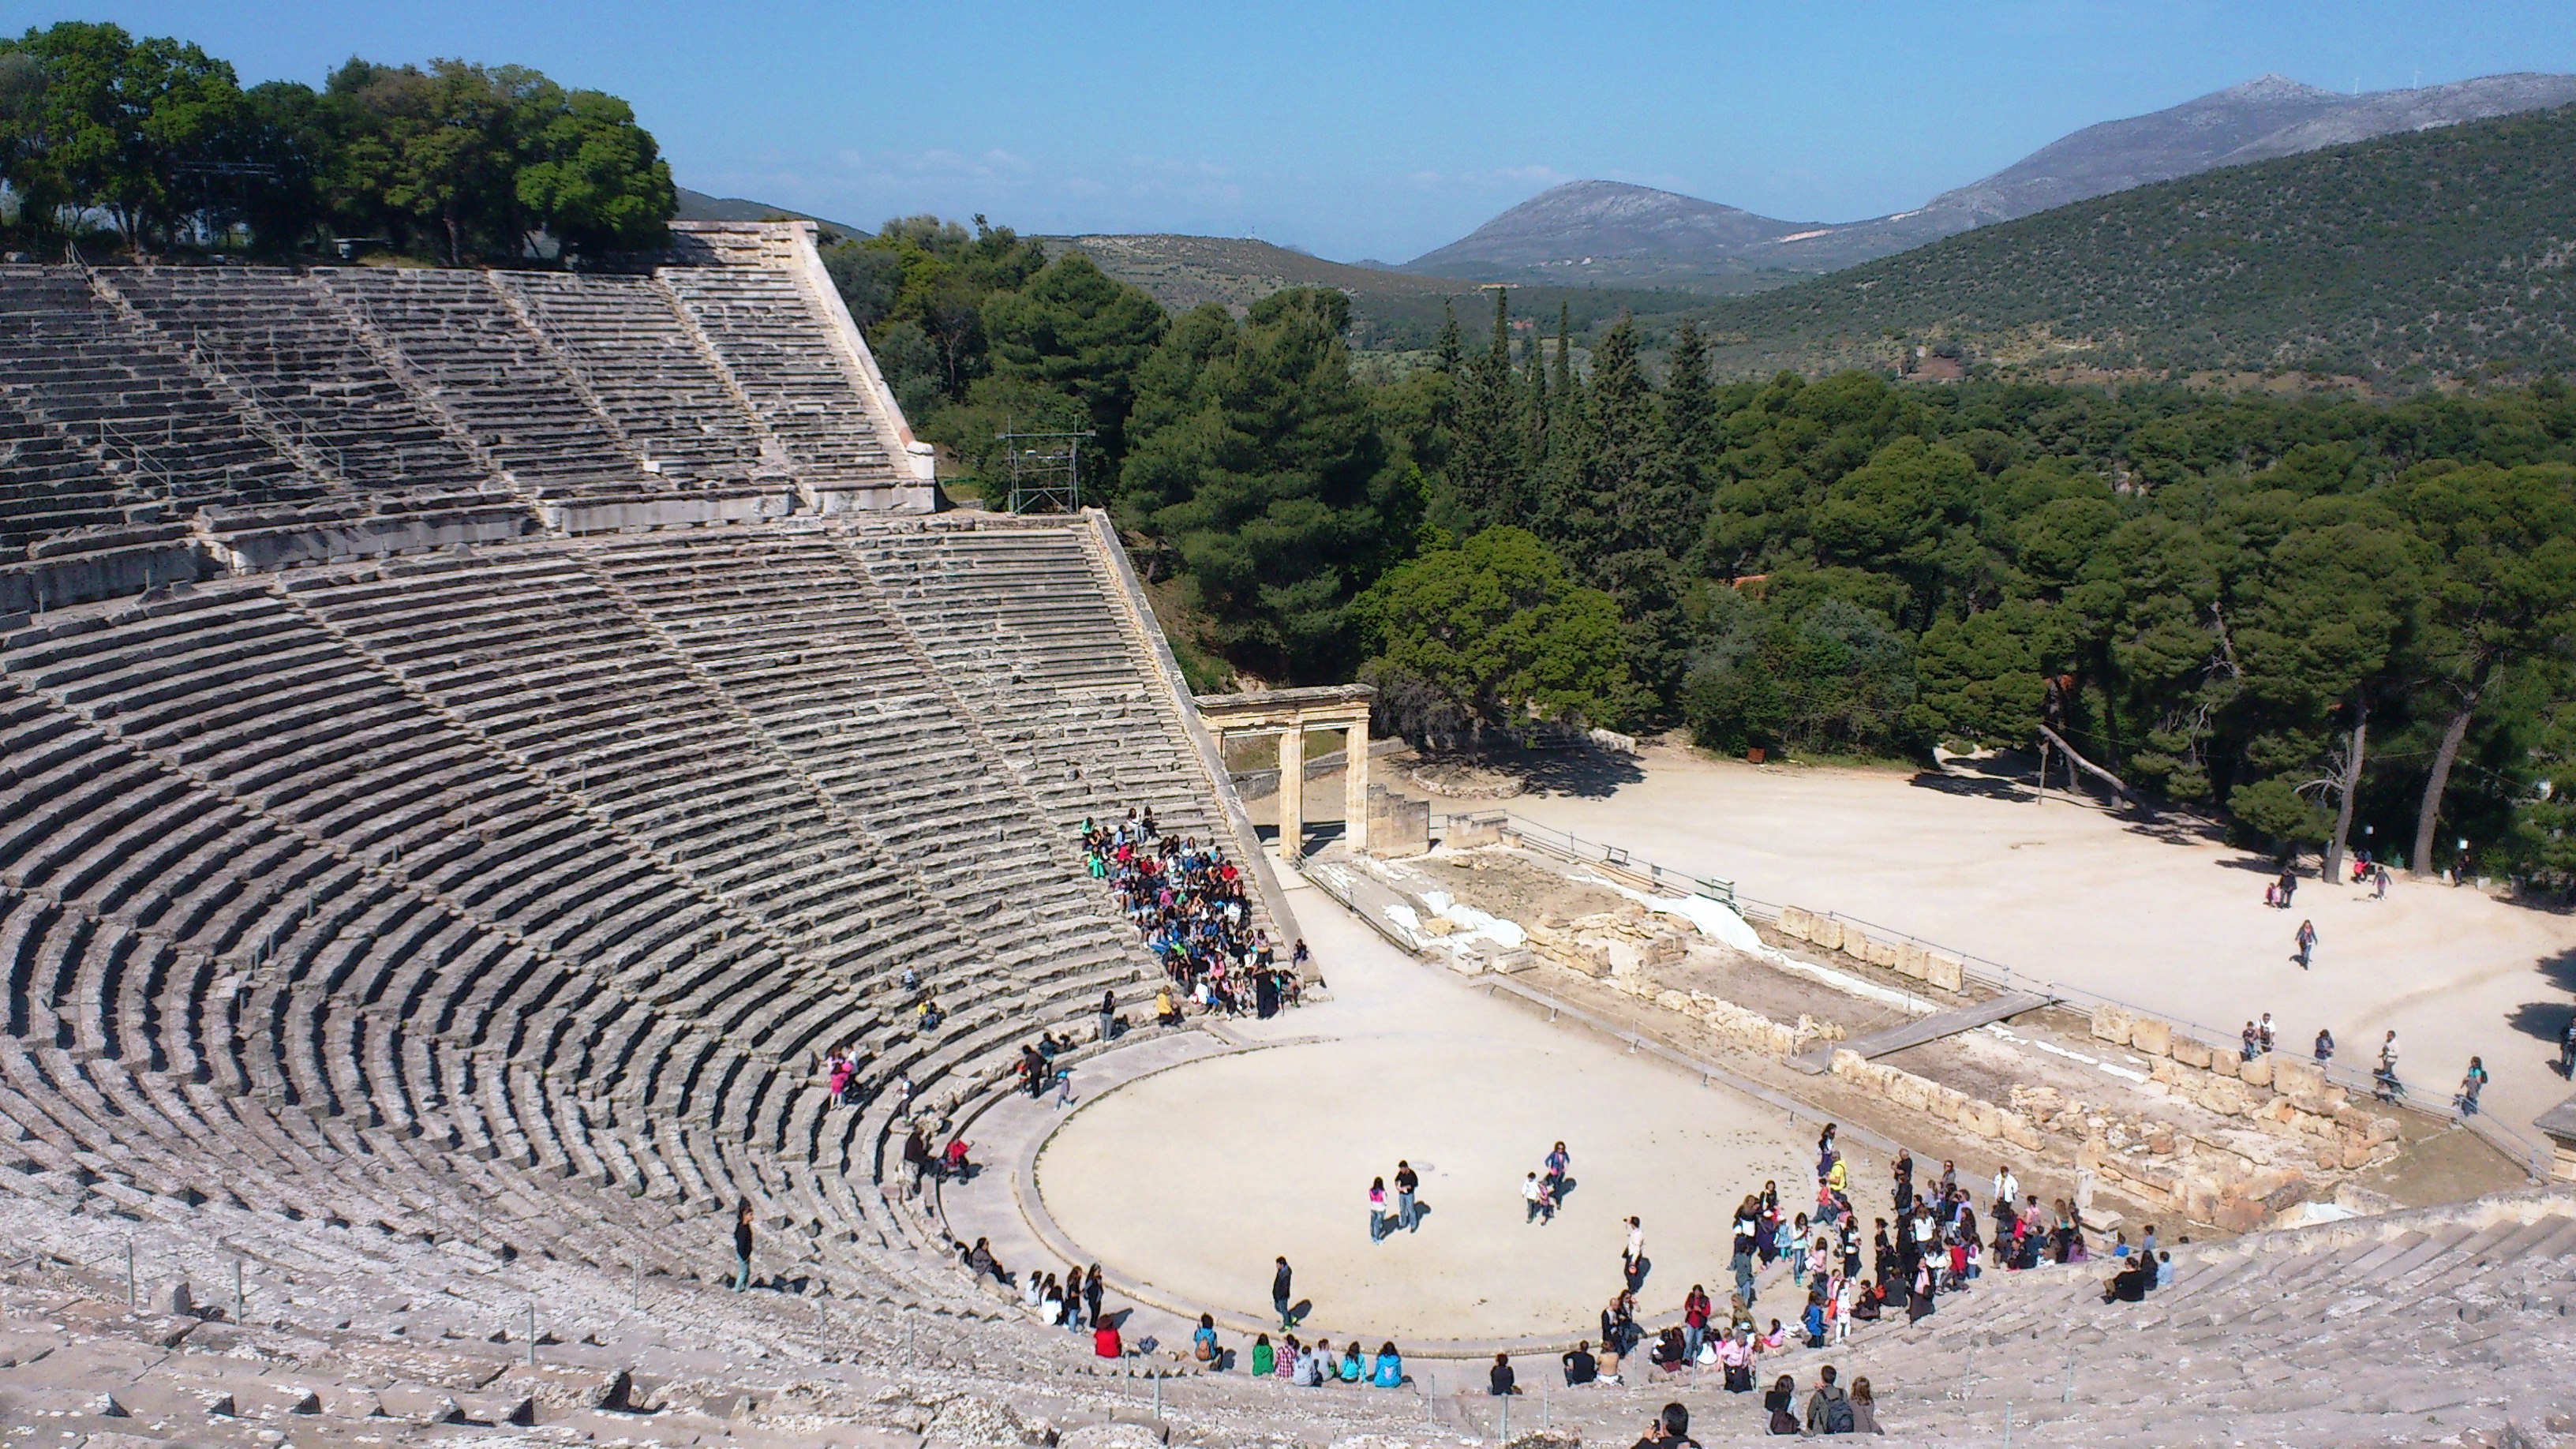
647,370
783,622
1020,622
494,376
180,677
2336,1334
276,336
71,360
529,648
765,330
48,483
283,1043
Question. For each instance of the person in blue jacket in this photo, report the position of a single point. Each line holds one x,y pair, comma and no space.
1389,1370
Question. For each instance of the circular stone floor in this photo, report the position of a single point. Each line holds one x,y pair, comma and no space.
1192,1179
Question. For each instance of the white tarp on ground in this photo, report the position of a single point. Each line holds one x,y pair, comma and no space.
1473,922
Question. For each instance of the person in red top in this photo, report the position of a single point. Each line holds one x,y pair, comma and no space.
1695,1311
1104,1340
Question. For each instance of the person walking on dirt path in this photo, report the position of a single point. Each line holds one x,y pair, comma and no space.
1557,1162
1407,1183
1634,1253
2307,943
1279,1290
2567,1050
2325,1046
1377,1209
2470,1085
2289,886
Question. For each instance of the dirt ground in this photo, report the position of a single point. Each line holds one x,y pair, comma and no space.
2154,913
2052,1049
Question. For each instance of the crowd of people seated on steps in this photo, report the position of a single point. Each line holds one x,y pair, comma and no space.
1192,906
1930,1245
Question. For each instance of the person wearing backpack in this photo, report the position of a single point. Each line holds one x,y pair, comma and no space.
1781,1404
1829,1410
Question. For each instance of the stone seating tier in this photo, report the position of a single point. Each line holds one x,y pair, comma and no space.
469,886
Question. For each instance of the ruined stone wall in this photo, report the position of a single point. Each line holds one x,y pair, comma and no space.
1916,962
1627,949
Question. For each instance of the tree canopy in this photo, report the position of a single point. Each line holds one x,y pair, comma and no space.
1491,634
457,159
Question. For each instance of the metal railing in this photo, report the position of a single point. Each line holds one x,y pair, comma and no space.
1568,846
2535,1158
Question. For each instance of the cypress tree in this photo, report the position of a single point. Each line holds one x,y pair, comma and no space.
1484,471
1691,444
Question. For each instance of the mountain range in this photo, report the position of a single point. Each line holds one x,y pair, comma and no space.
1613,233
2419,259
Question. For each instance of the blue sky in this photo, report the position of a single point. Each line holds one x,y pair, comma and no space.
1366,129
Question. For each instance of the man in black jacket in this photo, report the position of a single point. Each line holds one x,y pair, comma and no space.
1279,1291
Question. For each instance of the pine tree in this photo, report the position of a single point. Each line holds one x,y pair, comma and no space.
1450,350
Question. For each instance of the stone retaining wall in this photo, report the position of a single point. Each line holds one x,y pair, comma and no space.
2281,1094
1909,959
1622,949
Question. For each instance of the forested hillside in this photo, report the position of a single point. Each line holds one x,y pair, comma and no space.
1390,311
2402,260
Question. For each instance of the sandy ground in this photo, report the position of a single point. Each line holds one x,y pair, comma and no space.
1193,1179
2071,892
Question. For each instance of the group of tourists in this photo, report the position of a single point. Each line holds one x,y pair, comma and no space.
1193,907
1407,1203
1544,1188
1317,1364
1933,1242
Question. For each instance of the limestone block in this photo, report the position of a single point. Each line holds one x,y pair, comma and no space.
1909,961
1849,1063
2383,1129
1947,972
1671,1000
1981,1118
2162,1141
2222,1061
1798,923
1855,943
1907,1090
2017,1130
2191,1051
2225,1096
2239,1214
2292,1076
2325,1101
2112,1024
1949,1104
2258,1072
1828,934
1882,953
2150,1037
